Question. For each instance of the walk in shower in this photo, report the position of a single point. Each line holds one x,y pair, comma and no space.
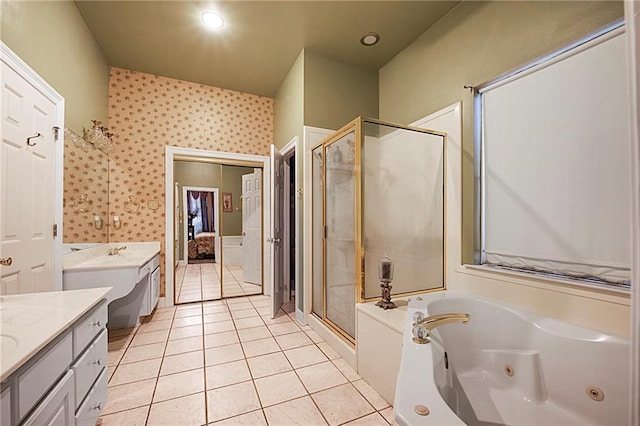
377,189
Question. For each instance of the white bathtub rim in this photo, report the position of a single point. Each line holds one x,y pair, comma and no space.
545,324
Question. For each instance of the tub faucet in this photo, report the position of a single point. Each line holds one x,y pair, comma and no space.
422,327
113,251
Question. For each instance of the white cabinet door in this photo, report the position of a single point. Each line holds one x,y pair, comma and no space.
155,287
27,186
57,408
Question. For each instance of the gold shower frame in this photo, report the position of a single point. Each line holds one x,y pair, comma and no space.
357,127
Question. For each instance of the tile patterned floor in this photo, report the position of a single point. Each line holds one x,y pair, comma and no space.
201,281
227,362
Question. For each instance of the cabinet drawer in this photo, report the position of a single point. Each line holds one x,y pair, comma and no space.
57,407
89,411
86,329
35,380
88,367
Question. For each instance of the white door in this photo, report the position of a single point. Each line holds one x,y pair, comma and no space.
277,230
27,186
251,225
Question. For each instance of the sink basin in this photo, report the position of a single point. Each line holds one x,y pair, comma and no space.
7,344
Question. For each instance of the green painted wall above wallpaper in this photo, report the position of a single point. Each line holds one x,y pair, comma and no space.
52,38
336,92
322,92
288,105
475,43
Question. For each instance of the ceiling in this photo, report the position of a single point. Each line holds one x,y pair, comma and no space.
260,41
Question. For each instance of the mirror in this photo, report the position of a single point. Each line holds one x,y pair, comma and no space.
241,206
86,192
197,186
214,231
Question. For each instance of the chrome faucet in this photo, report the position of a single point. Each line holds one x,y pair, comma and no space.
113,251
423,326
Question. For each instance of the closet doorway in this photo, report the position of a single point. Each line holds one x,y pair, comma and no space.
218,226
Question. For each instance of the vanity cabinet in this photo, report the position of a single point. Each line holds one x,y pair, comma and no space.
151,272
65,383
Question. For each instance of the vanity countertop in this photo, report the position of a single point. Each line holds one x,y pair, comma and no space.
134,256
28,322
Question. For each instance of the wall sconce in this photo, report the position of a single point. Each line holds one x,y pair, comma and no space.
95,137
97,220
116,222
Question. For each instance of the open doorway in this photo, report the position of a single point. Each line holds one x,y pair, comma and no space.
291,235
292,223
202,222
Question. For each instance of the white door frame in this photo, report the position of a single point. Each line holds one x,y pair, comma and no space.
287,152
185,212
25,71
170,153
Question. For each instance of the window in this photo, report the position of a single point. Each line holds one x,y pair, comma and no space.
555,165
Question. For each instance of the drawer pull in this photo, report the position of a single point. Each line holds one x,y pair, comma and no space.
97,323
98,362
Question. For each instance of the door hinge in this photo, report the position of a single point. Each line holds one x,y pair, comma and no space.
55,230
56,133
325,232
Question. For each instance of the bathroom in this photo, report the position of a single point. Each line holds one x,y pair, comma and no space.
426,76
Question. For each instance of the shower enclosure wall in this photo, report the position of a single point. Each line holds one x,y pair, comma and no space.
377,189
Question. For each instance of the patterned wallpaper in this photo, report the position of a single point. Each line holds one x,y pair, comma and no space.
85,172
147,113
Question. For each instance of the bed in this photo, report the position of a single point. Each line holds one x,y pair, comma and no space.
202,246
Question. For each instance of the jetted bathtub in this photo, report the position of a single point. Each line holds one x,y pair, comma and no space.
509,366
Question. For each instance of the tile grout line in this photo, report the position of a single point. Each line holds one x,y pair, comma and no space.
155,387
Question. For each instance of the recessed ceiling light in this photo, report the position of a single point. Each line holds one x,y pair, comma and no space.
212,20
369,39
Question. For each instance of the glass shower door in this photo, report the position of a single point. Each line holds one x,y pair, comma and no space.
340,233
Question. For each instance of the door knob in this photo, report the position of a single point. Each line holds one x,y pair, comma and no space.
6,261
276,240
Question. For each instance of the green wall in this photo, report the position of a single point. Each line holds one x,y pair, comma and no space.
336,92
52,38
232,182
288,105
475,43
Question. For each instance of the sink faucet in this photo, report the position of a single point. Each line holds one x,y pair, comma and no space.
113,251
423,326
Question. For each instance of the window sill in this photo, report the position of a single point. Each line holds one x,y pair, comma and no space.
567,286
